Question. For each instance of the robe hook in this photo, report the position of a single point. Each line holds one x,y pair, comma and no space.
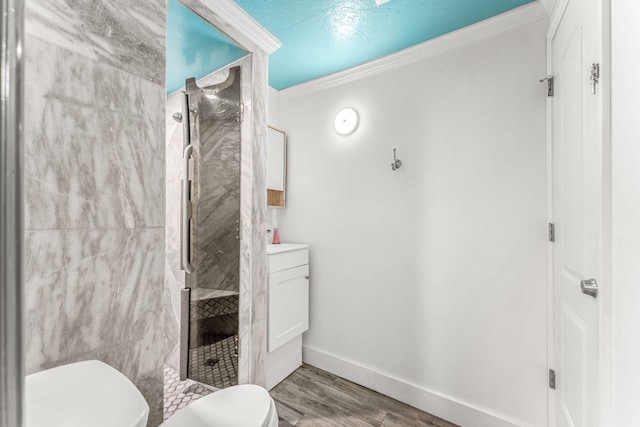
396,162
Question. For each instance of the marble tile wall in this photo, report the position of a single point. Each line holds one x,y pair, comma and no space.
174,276
94,187
259,218
245,355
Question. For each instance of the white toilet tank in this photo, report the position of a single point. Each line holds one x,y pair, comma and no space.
83,394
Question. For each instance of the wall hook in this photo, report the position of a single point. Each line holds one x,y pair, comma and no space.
396,162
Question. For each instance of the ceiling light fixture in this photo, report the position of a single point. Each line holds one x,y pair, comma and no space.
379,2
346,121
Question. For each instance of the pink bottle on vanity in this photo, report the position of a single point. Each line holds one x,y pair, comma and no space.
276,236
276,232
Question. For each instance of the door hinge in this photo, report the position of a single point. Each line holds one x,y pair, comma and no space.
552,232
595,76
550,86
552,379
241,112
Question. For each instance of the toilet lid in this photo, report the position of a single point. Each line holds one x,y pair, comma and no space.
244,405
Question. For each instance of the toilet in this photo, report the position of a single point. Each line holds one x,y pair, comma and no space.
238,406
92,393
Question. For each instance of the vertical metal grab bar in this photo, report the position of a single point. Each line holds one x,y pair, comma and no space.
186,211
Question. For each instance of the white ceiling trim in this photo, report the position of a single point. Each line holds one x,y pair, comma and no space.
235,16
491,27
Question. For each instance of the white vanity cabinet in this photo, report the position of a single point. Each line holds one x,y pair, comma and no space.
287,309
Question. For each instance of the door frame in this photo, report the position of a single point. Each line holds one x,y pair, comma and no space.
606,285
237,25
11,235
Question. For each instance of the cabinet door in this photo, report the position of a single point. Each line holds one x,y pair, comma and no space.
288,305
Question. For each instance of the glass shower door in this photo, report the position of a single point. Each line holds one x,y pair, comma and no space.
211,223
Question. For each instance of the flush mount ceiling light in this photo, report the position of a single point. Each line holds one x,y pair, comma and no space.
379,2
346,121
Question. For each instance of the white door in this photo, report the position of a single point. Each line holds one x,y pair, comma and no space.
577,212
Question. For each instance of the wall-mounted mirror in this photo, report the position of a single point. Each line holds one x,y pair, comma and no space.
276,167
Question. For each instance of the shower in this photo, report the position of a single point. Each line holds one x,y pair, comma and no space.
210,244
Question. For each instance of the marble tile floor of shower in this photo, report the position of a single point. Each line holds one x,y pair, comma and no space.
215,362
178,394
313,397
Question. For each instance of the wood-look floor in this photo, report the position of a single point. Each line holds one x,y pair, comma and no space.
313,397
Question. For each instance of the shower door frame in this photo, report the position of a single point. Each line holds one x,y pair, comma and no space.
192,188
11,92
233,22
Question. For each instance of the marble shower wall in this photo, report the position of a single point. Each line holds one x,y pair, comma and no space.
259,218
94,187
174,277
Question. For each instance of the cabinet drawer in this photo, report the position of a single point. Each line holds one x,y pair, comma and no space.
288,301
290,259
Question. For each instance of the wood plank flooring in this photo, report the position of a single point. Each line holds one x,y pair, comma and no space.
313,397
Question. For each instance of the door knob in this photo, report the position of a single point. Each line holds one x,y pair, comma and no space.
589,287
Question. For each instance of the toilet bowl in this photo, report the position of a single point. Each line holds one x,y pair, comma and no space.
238,406
92,393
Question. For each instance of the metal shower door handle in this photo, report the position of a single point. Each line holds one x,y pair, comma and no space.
186,211
589,287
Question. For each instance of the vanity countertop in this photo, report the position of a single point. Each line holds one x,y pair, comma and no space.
284,247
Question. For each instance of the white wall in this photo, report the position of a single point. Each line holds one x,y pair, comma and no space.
549,5
431,277
625,15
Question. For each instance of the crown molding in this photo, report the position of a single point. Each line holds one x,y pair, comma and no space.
235,16
508,21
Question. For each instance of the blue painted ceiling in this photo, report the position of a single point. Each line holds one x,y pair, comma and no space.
321,37
194,47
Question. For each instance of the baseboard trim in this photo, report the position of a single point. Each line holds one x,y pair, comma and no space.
462,413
